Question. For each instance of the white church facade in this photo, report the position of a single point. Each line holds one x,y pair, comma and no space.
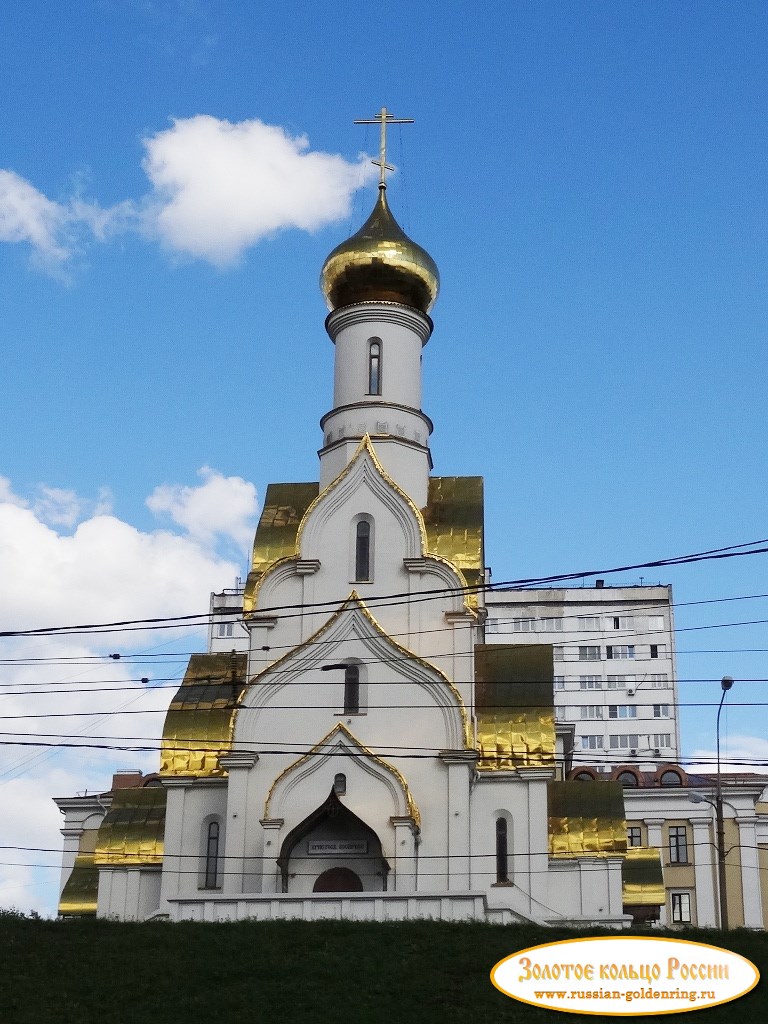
351,746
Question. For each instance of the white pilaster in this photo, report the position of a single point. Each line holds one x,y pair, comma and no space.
750,872
704,867
238,764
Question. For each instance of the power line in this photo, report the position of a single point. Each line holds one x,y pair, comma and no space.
377,601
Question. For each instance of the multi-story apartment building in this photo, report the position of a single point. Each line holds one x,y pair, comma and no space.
615,678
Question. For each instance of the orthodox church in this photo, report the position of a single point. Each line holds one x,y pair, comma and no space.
353,748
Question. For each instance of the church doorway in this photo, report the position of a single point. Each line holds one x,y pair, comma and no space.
333,850
338,880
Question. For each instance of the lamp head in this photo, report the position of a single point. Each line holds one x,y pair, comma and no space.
726,683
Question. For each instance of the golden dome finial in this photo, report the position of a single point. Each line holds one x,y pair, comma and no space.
380,263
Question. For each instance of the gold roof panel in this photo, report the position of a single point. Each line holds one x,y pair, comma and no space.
133,829
586,819
514,703
453,520
78,897
198,725
283,510
642,878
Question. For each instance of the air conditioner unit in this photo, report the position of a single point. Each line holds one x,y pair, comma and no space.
657,751
630,693
633,752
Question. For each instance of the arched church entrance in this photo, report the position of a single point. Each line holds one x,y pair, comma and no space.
333,850
338,880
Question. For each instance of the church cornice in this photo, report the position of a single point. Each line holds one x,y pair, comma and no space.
379,312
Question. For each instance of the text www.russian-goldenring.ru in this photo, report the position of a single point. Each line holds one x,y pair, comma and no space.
628,997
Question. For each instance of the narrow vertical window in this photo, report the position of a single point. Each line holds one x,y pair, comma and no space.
340,784
502,851
212,856
351,690
363,551
374,367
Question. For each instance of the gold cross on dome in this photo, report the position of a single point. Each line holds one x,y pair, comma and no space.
384,118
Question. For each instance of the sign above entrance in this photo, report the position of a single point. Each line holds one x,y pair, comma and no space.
331,848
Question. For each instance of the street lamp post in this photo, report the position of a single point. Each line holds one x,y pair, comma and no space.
725,684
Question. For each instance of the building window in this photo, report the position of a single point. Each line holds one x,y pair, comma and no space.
627,779
627,742
678,844
589,654
670,778
622,622
550,625
681,907
661,739
620,652
212,855
502,851
560,714
619,682
523,625
634,835
658,680
588,622
225,629
654,650
590,683
340,784
557,654
622,711
352,690
591,742
559,682
591,711
374,366
363,551
661,710
655,623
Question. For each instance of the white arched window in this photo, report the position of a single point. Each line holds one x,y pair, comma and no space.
374,366
502,850
362,544
352,690
212,839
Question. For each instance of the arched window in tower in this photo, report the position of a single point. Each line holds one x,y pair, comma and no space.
351,690
363,551
212,855
502,851
374,366
340,784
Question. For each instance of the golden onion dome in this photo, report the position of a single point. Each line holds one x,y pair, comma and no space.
380,263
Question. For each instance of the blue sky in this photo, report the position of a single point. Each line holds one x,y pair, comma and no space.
589,177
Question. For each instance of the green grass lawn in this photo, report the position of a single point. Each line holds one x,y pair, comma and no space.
78,972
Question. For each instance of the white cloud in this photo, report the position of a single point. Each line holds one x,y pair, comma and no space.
26,215
217,188
57,506
7,495
221,506
104,570
221,187
739,754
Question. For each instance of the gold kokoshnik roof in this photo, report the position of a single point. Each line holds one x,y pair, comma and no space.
642,878
79,895
586,819
133,830
198,725
453,520
514,704
380,263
